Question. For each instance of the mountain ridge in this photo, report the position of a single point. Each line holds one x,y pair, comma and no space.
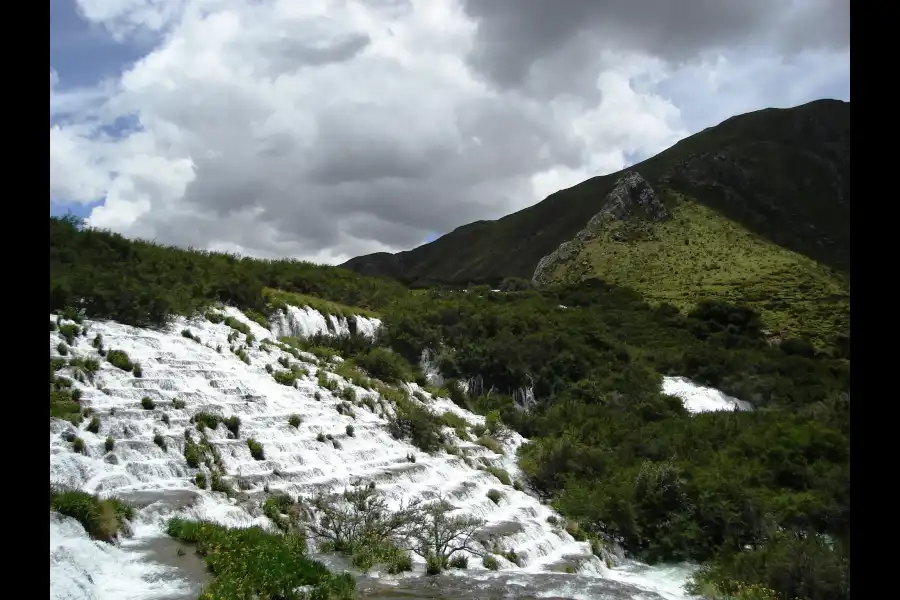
781,173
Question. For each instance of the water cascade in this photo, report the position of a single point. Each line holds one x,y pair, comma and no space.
205,373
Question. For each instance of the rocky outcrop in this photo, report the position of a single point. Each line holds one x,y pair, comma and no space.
632,196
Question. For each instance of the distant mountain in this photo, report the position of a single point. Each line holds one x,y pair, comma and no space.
783,174
754,210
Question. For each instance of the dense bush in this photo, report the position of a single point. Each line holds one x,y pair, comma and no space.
628,462
102,519
254,563
384,364
141,283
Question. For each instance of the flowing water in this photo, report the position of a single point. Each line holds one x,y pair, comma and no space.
209,377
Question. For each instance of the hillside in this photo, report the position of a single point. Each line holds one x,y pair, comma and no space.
783,174
205,386
697,254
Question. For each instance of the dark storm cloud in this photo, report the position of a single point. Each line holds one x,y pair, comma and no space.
514,34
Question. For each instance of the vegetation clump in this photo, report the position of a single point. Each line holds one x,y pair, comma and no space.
256,449
602,436
94,425
415,423
120,360
205,419
500,474
64,399
359,523
290,377
254,563
103,520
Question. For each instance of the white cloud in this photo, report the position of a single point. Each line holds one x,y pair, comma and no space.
325,129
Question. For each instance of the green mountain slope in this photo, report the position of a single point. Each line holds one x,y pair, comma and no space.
697,254
783,174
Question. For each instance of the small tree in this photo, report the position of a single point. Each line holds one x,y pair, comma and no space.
438,534
360,517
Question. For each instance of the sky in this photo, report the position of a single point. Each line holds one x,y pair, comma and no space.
327,129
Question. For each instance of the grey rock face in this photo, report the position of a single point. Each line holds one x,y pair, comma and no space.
631,196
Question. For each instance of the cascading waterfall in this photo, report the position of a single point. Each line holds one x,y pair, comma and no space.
429,366
697,398
306,322
160,482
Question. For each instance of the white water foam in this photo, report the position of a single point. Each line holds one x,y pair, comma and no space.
175,367
84,569
698,398
306,322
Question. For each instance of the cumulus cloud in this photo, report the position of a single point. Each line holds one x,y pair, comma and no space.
325,129
515,37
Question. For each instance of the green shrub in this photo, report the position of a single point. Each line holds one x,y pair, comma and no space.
62,349
220,484
102,519
256,449
109,444
492,421
200,480
416,423
160,441
513,557
233,424
78,445
500,474
64,401
327,382
289,378
459,561
489,562
384,364
94,425
147,403
491,444
120,360
295,420
494,496
254,563
350,430
434,565
257,317
237,325
193,454
69,333
178,404
204,420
